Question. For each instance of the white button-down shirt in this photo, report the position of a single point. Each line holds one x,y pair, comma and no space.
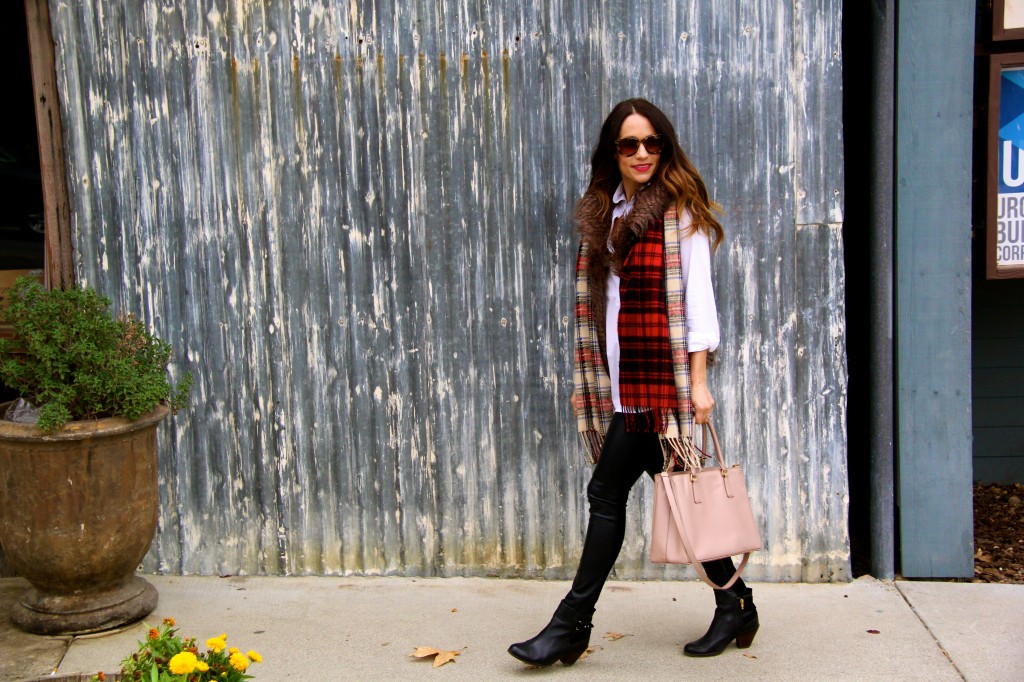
701,312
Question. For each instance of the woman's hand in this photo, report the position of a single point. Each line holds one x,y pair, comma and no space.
702,403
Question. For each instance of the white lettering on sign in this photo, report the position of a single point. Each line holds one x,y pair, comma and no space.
1010,230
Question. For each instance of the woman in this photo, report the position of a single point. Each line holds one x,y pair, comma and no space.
640,356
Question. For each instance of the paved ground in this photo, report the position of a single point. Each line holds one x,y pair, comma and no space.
365,629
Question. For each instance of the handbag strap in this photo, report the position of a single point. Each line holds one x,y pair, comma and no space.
678,518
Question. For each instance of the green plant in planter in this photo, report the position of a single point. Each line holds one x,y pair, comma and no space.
73,360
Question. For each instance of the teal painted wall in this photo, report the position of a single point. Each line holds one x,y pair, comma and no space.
934,92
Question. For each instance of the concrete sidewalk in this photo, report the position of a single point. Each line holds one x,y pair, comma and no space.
365,629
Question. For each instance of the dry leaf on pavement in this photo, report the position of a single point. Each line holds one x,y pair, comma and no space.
612,636
590,650
440,655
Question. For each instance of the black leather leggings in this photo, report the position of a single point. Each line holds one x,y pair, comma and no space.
624,458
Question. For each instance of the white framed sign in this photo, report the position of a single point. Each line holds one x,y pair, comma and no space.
1007,19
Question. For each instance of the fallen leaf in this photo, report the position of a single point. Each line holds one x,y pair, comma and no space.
874,632
445,657
455,610
612,636
590,650
440,655
750,656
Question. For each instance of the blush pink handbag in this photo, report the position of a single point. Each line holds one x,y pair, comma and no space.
703,515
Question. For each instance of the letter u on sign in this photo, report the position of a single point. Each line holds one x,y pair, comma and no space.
1008,158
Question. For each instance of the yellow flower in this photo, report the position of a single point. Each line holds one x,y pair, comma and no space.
216,644
254,656
202,667
183,663
239,662
234,650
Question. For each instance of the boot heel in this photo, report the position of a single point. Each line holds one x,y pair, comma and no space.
572,656
745,639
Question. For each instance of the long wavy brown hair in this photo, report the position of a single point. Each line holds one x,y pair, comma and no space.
675,170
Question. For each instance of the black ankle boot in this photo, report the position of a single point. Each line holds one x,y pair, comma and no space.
564,639
735,618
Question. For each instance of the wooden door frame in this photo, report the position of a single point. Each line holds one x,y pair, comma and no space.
58,259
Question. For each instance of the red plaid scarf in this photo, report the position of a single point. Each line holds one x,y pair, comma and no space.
647,383
653,212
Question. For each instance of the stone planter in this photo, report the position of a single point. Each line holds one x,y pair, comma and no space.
78,511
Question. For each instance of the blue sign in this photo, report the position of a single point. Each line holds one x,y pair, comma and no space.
1010,209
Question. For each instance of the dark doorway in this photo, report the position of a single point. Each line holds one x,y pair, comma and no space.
22,247
21,195
857,263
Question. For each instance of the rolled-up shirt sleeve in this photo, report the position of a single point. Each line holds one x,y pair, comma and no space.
701,311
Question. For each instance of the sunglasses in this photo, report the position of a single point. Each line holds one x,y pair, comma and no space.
628,146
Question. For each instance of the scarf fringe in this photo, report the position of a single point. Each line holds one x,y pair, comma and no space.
681,454
593,443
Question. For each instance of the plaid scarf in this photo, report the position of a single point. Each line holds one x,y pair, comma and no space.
647,384
654,370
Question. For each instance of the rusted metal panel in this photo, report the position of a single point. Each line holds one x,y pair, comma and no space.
353,221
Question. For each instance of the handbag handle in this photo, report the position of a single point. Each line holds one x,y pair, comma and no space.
677,517
706,426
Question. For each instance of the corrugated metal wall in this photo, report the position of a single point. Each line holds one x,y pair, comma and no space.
352,221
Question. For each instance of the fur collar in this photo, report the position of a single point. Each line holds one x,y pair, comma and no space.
648,209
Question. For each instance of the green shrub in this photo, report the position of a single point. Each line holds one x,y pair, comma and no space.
73,360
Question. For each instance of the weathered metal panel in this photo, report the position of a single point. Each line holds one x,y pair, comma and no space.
353,221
